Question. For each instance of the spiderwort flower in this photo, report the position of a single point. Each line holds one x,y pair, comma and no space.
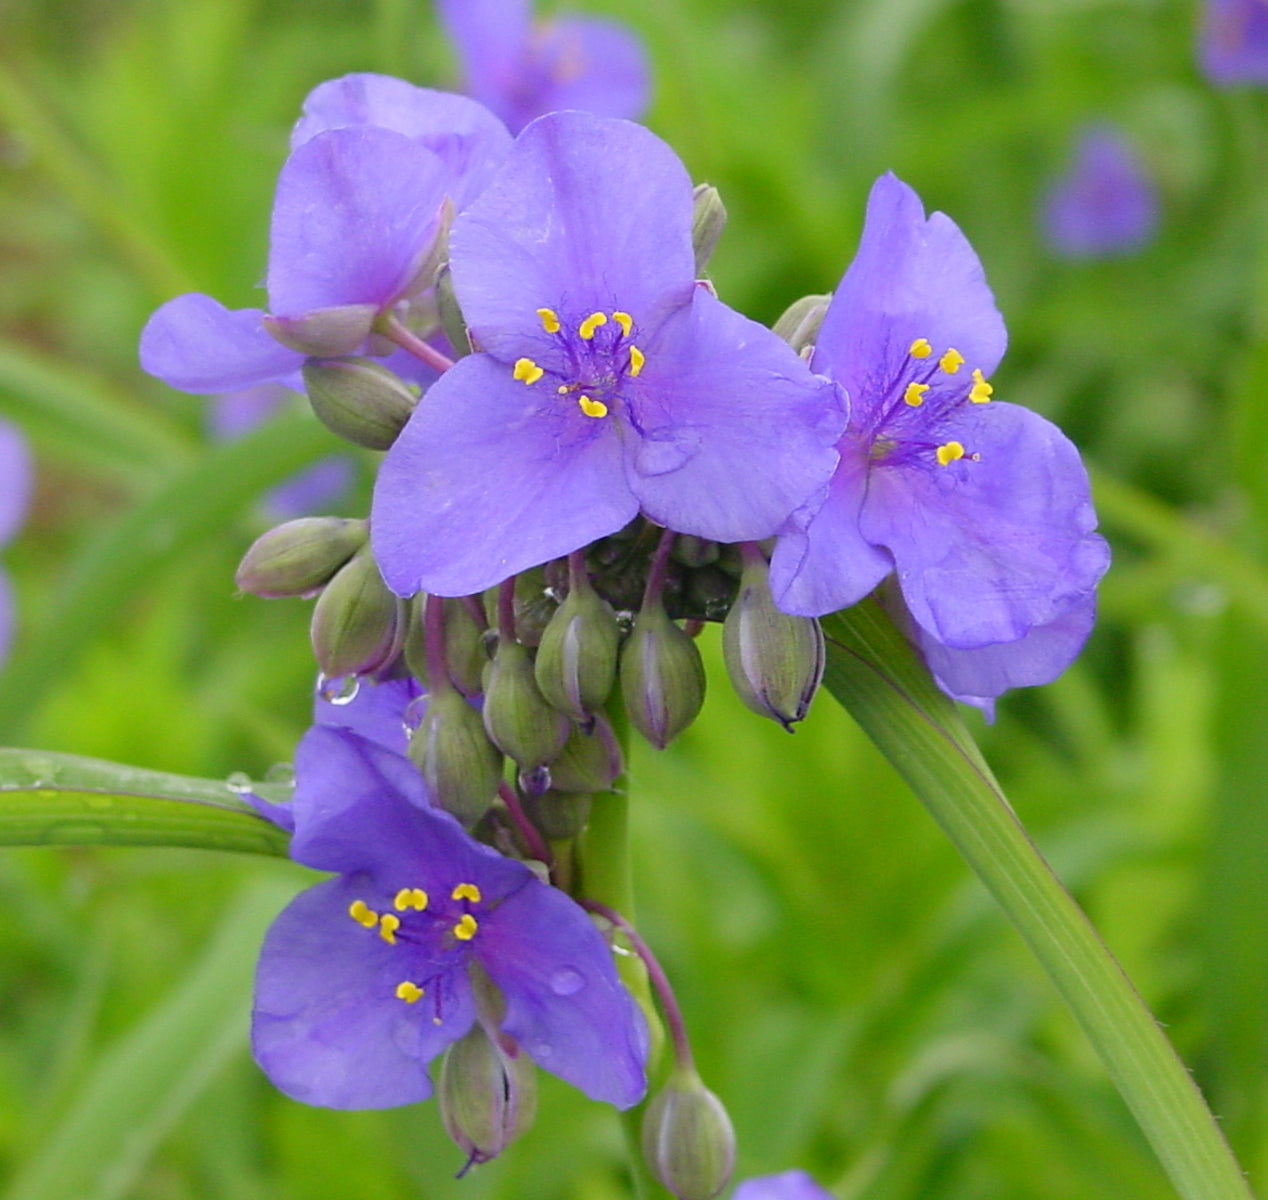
1105,203
15,495
367,977
521,69
980,508
788,1185
1233,44
608,381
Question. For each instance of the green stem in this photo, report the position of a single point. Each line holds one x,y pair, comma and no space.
876,675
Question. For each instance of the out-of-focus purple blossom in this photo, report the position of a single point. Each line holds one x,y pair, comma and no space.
367,977
981,510
608,382
1233,43
15,496
522,69
1105,204
788,1185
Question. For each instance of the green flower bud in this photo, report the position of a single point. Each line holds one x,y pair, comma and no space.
589,761
487,1094
662,677
359,399
452,321
576,661
465,649
325,332
559,814
300,557
516,714
688,1140
707,222
358,625
799,324
461,767
775,660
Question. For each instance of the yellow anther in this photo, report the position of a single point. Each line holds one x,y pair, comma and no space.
920,348
466,891
591,323
637,359
948,452
625,321
592,408
915,394
951,361
465,930
527,371
363,914
410,898
389,923
981,391
550,319
409,992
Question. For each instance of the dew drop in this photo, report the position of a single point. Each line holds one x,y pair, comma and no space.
239,782
412,717
567,982
338,689
536,780
280,772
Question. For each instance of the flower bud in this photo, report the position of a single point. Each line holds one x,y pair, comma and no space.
465,650
299,558
358,625
516,714
461,767
775,660
589,762
688,1140
452,322
487,1094
559,814
576,661
359,399
708,219
324,332
662,677
799,324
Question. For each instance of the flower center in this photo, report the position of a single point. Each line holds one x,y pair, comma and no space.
594,359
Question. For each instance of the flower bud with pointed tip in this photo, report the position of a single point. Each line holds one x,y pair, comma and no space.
799,324
775,660
487,1094
358,625
324,332
517,716
300,557
461,767
359,399
662,677
708,219
688,1140
576,661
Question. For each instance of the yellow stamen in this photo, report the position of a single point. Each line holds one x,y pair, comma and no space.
466,891
915,394
410,898
409,992
948,452
951,361
625,321
920,348
981,391
465,930
389,923
592,408
550,319
637,359
527,371
591,323
363,914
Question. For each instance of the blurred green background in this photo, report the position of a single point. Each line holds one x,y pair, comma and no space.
854,997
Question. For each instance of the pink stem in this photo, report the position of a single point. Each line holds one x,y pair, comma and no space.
390,327
528,831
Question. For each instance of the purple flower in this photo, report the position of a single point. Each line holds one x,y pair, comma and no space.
15,495
367,977
788,1185
609,381
522,70
1233,45
1105,203
981,509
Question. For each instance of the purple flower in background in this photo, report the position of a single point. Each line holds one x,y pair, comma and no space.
608,381
521,69
1105,203
367,977
15,495
1233,45
788,1185
980,509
